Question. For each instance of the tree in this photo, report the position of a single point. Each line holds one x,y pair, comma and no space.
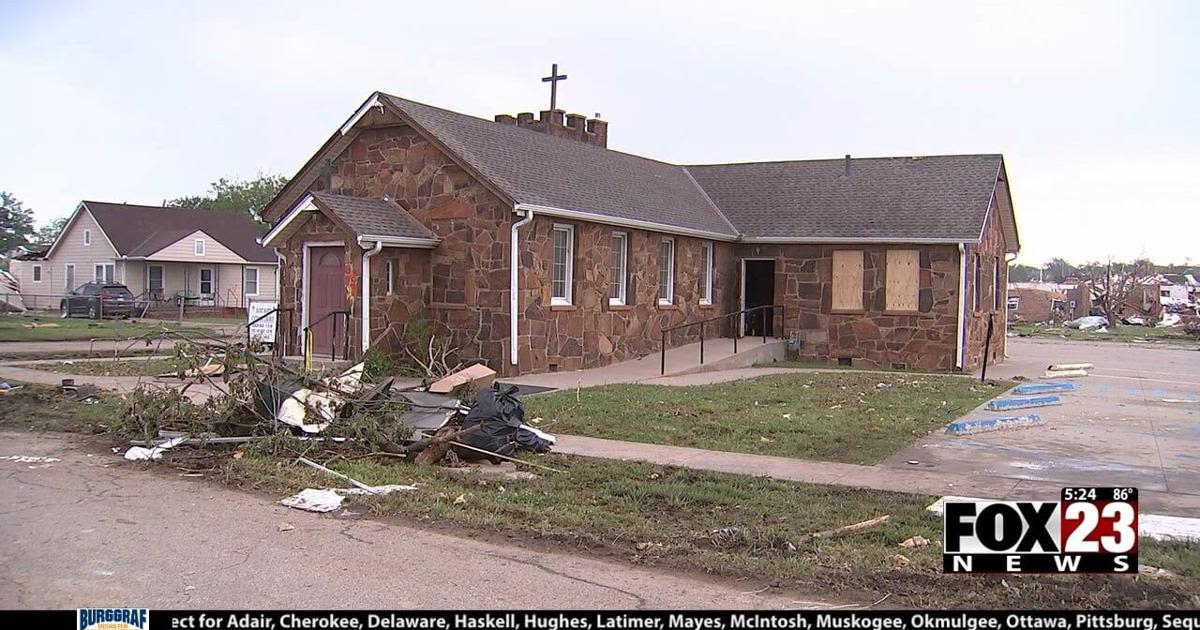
1113,283
16,222
48,232
1024,273
1058,270
250,196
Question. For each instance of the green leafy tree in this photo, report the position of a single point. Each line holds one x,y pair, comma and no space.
1023,273
48,232
250,196
16,222
1058,270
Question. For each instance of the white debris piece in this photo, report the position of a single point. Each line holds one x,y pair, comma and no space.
141,453
1091,322
1061,367
29,459
1169,319
330,499
541,434
312,411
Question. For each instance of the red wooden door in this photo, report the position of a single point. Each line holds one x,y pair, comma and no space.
327,294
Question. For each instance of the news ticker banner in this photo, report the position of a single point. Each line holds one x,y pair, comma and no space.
144,619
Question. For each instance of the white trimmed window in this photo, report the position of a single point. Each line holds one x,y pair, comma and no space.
389,270
68,277
706,273
618,272
104,272
37,273
154,279
206,281
87,238
666,271
198,247
250,280
561,266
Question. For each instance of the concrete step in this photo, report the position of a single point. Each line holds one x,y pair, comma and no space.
719,355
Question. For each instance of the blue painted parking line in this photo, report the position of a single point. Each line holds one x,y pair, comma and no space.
1045,388
981,425
1002,404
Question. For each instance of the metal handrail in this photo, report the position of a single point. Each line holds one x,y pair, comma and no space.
333,337
279,347
763,309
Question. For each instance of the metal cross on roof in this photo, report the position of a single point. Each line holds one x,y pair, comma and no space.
553,80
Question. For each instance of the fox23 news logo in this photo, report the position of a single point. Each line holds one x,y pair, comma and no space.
1091,530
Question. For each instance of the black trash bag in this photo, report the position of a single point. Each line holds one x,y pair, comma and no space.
499,413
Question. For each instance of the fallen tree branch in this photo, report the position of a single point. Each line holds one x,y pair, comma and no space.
856,528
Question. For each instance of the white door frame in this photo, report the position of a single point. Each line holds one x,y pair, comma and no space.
305,271
200,275
741,328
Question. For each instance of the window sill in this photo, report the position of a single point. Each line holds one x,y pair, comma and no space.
563,307
667,306
707,305
847,311
620,307
894,312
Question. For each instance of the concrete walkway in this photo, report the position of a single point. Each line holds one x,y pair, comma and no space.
198,392
916,481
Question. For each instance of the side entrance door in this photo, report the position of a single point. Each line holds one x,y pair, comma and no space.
758,283
326,294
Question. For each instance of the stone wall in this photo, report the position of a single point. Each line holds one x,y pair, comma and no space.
988,252
873,337
465,287
591,332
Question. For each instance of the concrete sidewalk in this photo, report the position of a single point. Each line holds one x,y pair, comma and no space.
198,392
916,480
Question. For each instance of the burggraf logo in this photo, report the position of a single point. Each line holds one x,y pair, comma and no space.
112,619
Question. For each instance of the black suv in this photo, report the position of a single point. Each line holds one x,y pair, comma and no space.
98,299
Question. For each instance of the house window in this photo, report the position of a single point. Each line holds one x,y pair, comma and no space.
198,247
847,280
903,280
155,279
1014,303
68,277
389,271
996,297
617,275
250,280
206,281
666,271
103,272
706,273
87,238
37,273
978,281
560,272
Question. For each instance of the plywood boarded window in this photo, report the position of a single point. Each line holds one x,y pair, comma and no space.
848,280
903,279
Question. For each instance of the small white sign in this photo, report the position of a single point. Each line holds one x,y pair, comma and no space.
262,330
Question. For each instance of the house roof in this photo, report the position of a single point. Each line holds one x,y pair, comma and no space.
937,198
373,216
137,231
542,170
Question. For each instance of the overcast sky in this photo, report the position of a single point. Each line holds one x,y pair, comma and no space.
1093,104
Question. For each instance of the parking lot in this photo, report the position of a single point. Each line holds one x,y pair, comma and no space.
1134,421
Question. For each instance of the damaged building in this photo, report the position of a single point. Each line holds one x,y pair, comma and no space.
537,248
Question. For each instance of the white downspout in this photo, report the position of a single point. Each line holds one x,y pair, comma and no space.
366,291
513,301
1007,275
962,303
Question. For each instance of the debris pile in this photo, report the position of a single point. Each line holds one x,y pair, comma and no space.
260,403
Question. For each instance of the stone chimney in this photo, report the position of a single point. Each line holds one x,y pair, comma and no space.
551,122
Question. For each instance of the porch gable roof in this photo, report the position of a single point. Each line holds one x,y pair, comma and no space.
373,219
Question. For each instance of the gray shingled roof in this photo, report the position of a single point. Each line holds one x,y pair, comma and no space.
373,216
941,197
142,230
535,168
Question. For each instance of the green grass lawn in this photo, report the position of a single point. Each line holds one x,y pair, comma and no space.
1171,335
842,417
53,328
734,526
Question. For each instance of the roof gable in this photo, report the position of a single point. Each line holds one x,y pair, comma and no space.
141,230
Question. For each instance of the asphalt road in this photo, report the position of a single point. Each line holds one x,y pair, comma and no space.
92,530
